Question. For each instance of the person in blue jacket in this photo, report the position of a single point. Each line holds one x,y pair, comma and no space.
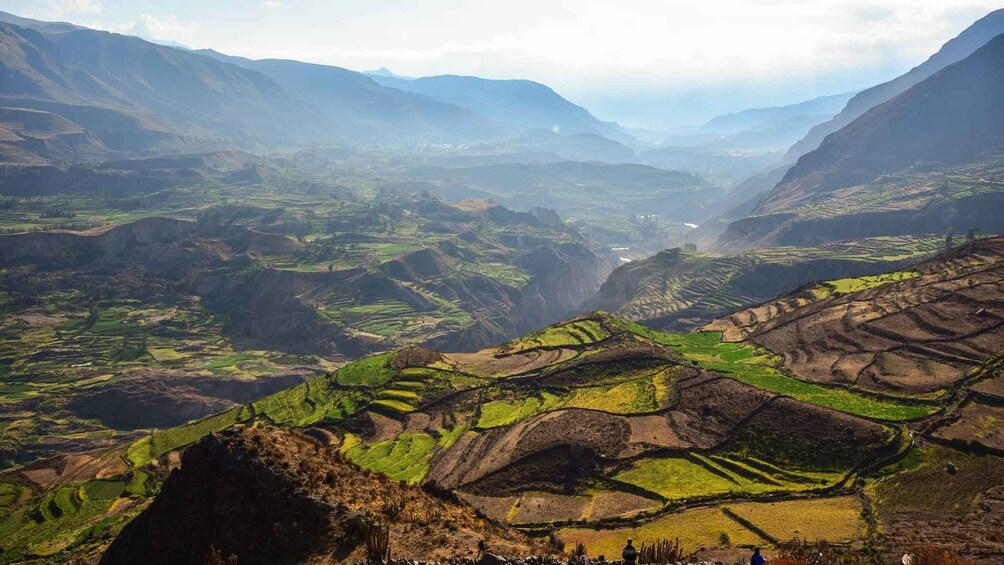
757,559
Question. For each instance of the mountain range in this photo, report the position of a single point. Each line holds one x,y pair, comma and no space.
521,104
967,42
273,311
109,95
926,161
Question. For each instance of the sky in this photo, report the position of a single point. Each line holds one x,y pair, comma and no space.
644,63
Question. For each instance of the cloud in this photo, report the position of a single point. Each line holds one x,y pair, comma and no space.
271,4
159,28
59,8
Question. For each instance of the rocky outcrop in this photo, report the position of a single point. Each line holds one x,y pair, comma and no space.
272,496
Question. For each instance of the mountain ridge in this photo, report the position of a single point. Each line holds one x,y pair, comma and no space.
896,161
956,49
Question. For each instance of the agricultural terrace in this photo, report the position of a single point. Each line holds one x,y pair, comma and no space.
680,289
835,519
606,387
758,368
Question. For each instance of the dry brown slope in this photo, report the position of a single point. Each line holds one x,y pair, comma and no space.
271,496
919,335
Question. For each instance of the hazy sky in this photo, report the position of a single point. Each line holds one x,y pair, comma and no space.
637,61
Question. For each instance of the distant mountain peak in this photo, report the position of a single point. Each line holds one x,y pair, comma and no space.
385,72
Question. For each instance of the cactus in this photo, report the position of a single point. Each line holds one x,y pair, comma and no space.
660,552
377,537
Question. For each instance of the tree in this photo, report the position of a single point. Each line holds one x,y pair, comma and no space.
950,239
973,234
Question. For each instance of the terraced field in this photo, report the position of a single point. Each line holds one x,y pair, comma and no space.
916,334
915,200
745,524
598,428
680,289
164,320
569,423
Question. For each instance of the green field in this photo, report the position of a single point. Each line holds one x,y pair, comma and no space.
697,476
404,458
847,286
504,412
582,332
746,364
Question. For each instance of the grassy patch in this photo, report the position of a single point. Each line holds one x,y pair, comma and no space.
308,403
929,486
405,458
369,372
504,412
174,438
700,527
394,405
699,476
103,490
630,397
746,364
580,332
855,284
831,519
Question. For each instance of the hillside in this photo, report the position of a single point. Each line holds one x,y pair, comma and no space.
522,104
364,111
679,290
593,419
919,330
596,428
266,495
965,44
925,162
134,96
114,96
636,209
180,318
768,129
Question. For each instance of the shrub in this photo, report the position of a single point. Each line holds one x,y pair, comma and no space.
215,557
933,555
556,543
804,552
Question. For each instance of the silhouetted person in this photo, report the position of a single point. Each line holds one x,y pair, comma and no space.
482,547
757,559
630,554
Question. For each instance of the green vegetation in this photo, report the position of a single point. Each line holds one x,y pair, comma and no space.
581,332
310,402
647,394
926,484
698,476
700,527
686,288
404,458
169,440
833,519
369,372
504,412
847,286
744,363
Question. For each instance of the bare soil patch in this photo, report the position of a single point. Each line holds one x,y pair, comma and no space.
912,336
979,424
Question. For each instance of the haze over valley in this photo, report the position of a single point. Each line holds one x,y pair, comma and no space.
551,287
